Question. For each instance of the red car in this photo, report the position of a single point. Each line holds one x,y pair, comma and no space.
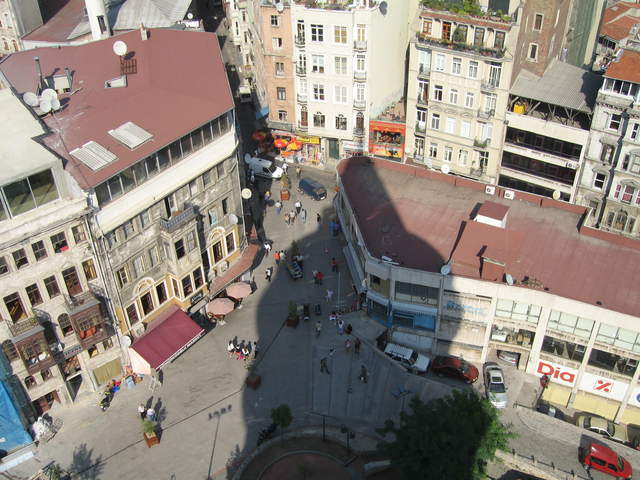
454,367
600,457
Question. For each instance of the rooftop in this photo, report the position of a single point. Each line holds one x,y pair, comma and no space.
562,84
619,18
422,219
180,85
626,66
67,23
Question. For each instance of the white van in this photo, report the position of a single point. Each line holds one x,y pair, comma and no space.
244,93
262,168
413,361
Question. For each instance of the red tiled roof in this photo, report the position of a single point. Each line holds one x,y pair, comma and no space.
421,219
618,9
620,28
627,67
180,84
59,26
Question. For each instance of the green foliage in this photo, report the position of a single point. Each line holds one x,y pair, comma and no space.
459,35
450,437
148,427
281,416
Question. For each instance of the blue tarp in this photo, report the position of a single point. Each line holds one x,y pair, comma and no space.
12,433
263,112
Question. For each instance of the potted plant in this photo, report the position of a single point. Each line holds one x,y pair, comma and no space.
292,316
149,433
253,380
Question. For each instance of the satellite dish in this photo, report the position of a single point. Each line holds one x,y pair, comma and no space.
190,16
445,269
120,48
509,279
383,8
233,219
48,94
556,194
279,7
45,105
126,341
30,99
445,168
246,193
55,104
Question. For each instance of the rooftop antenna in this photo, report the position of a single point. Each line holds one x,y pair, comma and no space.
120,48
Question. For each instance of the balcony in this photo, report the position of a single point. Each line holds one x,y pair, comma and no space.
360,45
301,71
94,335
486,113
358,131
421,128
481,143
24,328
360,104
422,100
424,72
489,86
303,127
299,41
178,220
360,76
497,53
302,98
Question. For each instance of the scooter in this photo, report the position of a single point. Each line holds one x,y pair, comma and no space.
105,401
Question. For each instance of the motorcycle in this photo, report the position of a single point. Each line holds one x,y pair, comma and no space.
105,401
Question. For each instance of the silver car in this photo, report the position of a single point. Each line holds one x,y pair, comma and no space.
495,388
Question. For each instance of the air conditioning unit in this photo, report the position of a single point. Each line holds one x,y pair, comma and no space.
490,189
509,194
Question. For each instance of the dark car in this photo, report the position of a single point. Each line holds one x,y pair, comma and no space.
455,367
548,409
311,188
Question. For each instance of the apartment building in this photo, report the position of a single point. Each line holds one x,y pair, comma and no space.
239,20
460,68
610,178
57,335
155,151
474,273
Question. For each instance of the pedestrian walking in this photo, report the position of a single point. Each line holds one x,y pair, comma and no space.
356,346
333,318
298,206
267,274
276,256
315,276
231,348
347,345
252,179
298,171
255,350
323,366
267,247
285,167
142,411
319,276
329,295
267,196
334,264
287,218
363,374
278,207
331,352
318,328
303,215
151,414
292,215
318,218
283,255
340,327
349,329
355,290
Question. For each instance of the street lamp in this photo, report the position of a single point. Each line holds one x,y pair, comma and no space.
350,434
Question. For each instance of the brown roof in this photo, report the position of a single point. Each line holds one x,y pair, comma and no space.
620,28
59,27
422,219
627,67
618,9
180,84
493,210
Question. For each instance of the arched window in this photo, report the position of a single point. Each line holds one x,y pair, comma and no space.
304,117
65,324
9,350
29,382
15,45
360,120
5,44
341,122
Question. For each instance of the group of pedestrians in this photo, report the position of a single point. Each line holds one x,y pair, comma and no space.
242,350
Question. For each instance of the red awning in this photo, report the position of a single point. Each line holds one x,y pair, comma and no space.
243,264
167,337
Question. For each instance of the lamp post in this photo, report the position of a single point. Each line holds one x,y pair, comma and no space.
350,434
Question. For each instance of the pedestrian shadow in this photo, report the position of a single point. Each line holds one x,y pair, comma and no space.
83,466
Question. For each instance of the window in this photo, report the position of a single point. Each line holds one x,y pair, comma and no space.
341,122
276,42
451,125
220,169
59,242
51,284
606,154
122,276
418,147
225,206
161,292
191,241
439,62
132,314
634,131
137,267
495,71
279,68
490,101
39,250
65,324
231,245
33,292
446,31
433,150
340,34
317,63
89,269
448,154
145,219
275,20
9,350
465,129
29,193
625,193
486,131
187,286
599,181
340,94
612,362
463,156
4,266
318,120
213,216
154,256
340,65
498,40
619,86
179,247
437,92
631,163
282,93
564,349
20,258
427,27
473,69
29,382
198,278
146,301
361,33
282,115
537,21
318,92
478,37
468,100
421,117
614,122
453,96
456,66
412,293
483,158
518,311
360,63
435,121
564,322
72,281
107,344
128,229
15,307
317,33
217,252
532,54
360,92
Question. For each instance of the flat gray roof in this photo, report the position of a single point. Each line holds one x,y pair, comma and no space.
562,84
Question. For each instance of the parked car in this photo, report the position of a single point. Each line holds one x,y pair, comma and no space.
548,409
601,457
495,388
412,360
509,357
262,167
604,427
455,367
308,186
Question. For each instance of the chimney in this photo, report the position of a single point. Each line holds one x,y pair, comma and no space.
41,85
144,34
69,78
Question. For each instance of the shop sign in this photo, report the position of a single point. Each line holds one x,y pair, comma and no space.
466,308
353,146
72,351
308,139
393,151
605,387
634,399
556,373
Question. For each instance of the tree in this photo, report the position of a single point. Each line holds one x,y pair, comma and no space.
451,437
281,416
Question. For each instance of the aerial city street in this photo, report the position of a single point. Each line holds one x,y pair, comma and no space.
312,239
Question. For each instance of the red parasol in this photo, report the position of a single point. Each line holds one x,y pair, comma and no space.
280,142
239,290
258,136
220,306
294,145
